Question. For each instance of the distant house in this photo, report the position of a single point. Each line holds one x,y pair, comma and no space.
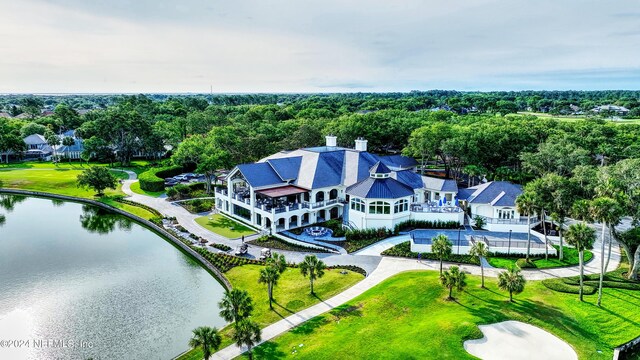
619,110
4,115
37,147
495,202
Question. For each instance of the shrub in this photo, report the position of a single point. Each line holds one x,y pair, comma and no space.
153,179
222,247
353,268
479,222
404,250
524,264
424,224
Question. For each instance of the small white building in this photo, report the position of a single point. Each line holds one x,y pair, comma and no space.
495,202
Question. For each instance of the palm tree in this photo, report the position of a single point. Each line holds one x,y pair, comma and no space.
207,338
313,267
235,305
441,246
607,211
247,332
68,141
269,275
581,237
453,278
525,204
480,250
277,261
512,281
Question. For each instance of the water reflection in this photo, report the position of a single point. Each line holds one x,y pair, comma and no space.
3,219
9,202
100,221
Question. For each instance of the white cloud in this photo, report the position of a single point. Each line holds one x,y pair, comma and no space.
331,45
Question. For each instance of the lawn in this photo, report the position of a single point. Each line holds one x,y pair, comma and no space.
406,317
224,226
135,187
570,259
291,294
49,179
46,177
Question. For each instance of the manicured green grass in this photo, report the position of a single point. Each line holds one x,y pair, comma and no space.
135,210
570,259
291,295
60,180
224,226
135,187
406,317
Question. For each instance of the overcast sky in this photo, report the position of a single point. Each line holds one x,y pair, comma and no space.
317,46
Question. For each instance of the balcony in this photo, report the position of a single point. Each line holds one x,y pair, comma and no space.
521,221
434,208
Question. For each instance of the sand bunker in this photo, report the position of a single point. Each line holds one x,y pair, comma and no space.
514,340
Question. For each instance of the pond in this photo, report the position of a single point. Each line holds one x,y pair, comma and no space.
77,282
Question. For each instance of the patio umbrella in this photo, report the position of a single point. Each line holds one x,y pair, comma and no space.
440,202
457,202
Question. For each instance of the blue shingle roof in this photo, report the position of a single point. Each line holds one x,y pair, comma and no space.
365,162
287,168
409,178
259,174
328,169
371,188
379,168
500,193
398,161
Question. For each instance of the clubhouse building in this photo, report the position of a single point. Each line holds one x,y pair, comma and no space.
297,188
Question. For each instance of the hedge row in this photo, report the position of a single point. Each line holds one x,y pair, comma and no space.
153,179
226,262
404,250
222,247
571,285
155,212
424,224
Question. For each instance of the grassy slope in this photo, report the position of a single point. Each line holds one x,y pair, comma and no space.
291,294
406,317
570,259
135,187
222,225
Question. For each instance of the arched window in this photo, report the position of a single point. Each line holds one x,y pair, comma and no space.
379,207
401,206
357,204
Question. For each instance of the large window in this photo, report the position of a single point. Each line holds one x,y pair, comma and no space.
506,213
357,204
401,206
379,207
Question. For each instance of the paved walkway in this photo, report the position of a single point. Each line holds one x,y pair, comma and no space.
379,268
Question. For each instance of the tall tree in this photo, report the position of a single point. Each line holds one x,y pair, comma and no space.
525,204
98,178
313,267
512,281
441,246
207,338
207,156
269,275
581,237
235,305
607,212
480,250
247,333
453,279
52,140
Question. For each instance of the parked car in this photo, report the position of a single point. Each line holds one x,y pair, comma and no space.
242,249
265,253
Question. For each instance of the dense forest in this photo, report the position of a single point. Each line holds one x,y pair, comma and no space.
488,141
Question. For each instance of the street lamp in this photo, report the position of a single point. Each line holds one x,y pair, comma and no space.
509,248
